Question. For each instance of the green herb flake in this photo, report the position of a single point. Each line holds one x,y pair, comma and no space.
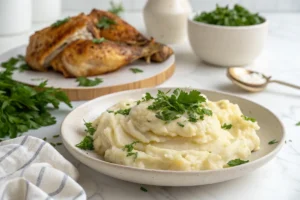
143,189
226,126
237,162
298,124
54,145
273,142
180,124
45,139
98,41
86,143
224,16
89,129
85,82
105,23
123,112
60,22
59,143
129,148
55,136
116,9
136,70
248,118
110,111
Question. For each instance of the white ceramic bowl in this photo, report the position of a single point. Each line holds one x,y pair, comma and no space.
72,132
226,45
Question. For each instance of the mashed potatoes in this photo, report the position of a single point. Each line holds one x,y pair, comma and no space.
178,144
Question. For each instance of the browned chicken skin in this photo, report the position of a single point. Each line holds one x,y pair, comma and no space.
69,49
85,58
45,44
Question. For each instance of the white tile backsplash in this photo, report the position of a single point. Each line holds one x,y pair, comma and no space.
197,5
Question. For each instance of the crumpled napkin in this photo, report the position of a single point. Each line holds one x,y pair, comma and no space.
31,168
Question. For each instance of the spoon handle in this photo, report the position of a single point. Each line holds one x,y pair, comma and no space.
285,83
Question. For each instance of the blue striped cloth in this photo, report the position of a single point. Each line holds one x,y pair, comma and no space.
31,168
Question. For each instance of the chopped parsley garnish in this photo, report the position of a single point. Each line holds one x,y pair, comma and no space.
236,162
248,118
98,41
45,139
273,142
52,144
147,97
171,107
143,189
180,124
298,124
60,22
22,107
136,70
129,148
59,143
105,23
224,16
110,111
55,136
85,82
226,126
86,143
123,112
116,9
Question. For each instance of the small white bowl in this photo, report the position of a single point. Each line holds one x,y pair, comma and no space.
227,45
72,132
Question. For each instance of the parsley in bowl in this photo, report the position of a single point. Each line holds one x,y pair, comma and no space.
224,16
227,37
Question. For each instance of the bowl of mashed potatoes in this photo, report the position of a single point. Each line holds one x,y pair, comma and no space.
172,136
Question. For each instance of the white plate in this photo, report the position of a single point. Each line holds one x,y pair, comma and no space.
73,131
119,77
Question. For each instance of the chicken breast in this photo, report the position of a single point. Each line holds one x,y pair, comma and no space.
85,58
47,43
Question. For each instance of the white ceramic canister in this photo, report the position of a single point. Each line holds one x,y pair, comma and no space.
15,16
166,20
46,10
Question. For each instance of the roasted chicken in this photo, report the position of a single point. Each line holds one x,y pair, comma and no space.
68,46
85,58
47,43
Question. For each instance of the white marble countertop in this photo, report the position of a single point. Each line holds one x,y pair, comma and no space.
279,179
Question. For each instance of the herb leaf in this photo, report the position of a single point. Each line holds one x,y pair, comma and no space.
298,124
236,162
98,41
143,189
105,23
273,142
86,143
123,112
60,22
180,124
136,70
226,126
89,128
129,148
224,16
83,81
116,9
248,118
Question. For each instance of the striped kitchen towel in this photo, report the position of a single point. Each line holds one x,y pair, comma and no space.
31,168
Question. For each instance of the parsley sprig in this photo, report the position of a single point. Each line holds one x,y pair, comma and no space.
16,63
105,23
248,118
136,70
171,107
87,142
86,82
129,148
116,9
236,162
23,108
224,16
226,126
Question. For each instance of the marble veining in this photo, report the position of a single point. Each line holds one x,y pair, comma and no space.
277,180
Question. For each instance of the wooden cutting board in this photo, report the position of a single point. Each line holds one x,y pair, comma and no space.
124,79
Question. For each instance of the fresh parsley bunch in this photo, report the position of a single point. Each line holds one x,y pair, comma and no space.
22,107
224,16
